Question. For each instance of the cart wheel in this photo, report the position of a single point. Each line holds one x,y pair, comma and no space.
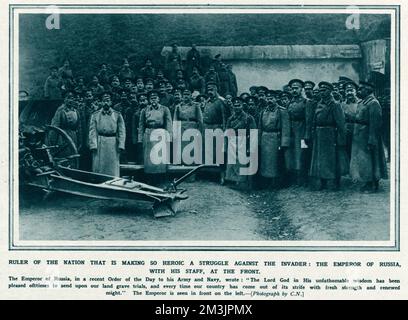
62,149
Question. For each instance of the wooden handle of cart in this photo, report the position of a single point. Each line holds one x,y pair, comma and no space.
176,182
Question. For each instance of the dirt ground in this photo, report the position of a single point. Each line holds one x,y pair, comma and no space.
214,212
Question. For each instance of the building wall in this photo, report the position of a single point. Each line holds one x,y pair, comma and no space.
276,73
375,57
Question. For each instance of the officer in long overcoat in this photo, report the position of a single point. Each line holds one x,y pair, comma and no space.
187,115
297,110
152,117
107,137
329,160
241,124
349,106
274,139
367,153
68,118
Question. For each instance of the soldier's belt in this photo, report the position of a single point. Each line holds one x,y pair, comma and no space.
107,134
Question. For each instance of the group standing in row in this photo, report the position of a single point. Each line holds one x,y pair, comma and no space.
305,132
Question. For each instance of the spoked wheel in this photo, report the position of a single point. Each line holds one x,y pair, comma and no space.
61,148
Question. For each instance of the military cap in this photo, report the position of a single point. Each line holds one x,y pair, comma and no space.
217,56
309,84
54,68
350,84
153,93
261,88
140,94
335,84
244,95
253,88
211,83
367,84
187,90
237,99
343,79
139,78
286,88
325,84
271,93
250,99
149,80
293,81
176,89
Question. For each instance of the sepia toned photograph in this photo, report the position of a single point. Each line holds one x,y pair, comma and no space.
205,126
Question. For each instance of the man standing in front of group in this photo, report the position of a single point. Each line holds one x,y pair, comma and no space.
68,118
187,115
350,108
274,133
329,161
261,101
214,118
367,155
295,159
239,125
86,109
152,117
107,137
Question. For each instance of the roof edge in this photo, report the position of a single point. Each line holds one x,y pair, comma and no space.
272,52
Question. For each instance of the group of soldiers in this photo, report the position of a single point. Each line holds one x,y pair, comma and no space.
307,133
176,73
